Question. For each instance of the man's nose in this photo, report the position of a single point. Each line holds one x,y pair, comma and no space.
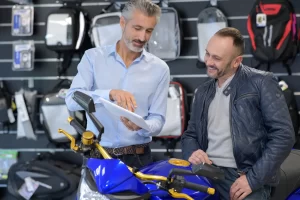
209,61
142,36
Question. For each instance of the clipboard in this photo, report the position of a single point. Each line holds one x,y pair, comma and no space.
118,111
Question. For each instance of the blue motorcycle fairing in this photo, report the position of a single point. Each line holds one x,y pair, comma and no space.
112,176
295,195
171,198
163,168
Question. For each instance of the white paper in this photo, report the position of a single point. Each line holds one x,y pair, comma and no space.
205,32
28,188
121,112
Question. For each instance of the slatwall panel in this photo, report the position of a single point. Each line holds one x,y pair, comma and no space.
183,69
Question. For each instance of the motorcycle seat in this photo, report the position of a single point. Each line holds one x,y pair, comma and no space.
289,177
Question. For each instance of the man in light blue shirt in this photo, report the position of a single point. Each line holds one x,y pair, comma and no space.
126,74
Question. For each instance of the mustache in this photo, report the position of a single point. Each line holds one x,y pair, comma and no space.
212,67
139,41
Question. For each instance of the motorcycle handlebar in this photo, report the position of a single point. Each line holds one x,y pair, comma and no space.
199,188
140,175
76,125
81,130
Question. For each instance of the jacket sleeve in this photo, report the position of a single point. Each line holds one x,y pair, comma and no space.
189,139
281,137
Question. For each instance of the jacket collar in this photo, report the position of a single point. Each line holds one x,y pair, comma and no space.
228,90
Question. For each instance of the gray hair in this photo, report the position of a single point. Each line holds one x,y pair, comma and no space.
147,7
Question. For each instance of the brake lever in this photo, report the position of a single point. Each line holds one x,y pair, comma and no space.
88,143
177,195
73,145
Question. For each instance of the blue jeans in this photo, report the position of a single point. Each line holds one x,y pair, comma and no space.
223,187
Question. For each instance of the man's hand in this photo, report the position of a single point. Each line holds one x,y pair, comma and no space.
198,157
123,99
240,188
130,125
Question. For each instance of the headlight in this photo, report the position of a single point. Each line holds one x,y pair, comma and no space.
85,193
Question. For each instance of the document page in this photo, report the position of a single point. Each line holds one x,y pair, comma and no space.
121,112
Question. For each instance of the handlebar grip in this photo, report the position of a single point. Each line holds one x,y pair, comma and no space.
76,125
200,188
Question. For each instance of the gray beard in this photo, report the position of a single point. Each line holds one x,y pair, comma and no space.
131,47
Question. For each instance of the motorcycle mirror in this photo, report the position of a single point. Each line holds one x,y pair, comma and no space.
87,103
208,171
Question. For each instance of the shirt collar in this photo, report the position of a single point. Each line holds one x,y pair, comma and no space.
112,50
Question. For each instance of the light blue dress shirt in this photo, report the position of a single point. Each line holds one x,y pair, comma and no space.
100,70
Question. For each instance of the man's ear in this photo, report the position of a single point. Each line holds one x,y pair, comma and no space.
237,61
122,23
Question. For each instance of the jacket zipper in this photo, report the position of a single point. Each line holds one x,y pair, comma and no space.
240,172
204,117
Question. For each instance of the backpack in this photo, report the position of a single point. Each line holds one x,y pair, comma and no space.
210,20
176,112
176,117
272,29
292,105
166,39
52,103
60,171
7,107
5,103
107,21
70,37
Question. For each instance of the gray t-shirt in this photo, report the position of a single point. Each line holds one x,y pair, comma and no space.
220,149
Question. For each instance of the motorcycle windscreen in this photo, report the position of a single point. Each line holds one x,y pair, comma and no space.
210,20
86,190
165,41
106,29
59,30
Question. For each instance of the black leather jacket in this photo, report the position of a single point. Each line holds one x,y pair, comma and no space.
261,128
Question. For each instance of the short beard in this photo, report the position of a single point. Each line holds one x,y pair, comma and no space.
221,73
131,47
129,43
226,70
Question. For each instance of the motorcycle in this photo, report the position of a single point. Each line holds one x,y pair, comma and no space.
105,178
